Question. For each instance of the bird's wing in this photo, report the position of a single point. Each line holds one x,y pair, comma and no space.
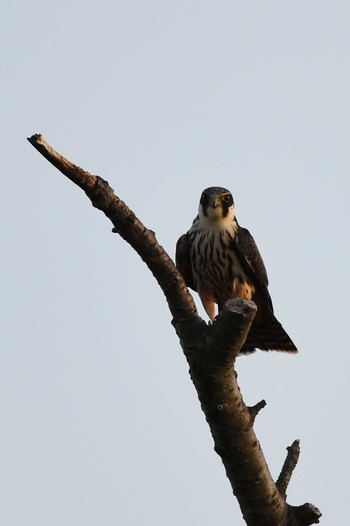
251,261
183,261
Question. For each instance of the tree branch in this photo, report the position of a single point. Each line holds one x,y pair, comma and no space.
255,409
211,352
288,467
129,227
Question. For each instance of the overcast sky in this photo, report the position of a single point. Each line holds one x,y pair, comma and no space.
100,424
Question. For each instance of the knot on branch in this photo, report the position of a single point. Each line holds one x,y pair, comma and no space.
100,193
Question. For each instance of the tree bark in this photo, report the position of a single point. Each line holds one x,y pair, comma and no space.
211,351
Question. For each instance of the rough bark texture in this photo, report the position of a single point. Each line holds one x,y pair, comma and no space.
210,351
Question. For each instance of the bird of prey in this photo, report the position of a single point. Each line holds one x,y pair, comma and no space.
220,260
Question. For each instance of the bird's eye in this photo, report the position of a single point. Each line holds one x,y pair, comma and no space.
227,198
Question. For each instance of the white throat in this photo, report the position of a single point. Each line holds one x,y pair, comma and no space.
215,221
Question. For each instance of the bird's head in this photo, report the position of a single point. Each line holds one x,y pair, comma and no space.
216,207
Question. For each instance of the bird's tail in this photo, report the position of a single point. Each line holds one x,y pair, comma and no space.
267,334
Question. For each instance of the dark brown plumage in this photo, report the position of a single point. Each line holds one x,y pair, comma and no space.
220,260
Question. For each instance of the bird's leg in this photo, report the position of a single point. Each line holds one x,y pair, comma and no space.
208,303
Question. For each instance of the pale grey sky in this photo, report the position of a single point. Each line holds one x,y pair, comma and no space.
100,424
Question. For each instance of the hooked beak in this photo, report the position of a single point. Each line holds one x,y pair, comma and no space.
215,201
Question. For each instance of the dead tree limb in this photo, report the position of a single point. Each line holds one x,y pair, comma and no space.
288,467
211,352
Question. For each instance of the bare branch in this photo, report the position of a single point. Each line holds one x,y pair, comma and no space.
211,352
255,409
229,332
125,222
288,467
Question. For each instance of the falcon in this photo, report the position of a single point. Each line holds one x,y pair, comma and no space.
220,260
